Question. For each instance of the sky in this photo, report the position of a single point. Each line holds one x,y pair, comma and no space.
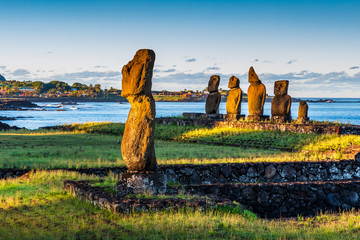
313,44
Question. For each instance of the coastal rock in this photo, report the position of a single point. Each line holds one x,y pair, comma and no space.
137,146
233,102
256,94
214,98
281,104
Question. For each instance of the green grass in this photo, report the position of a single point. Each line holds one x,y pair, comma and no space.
98,145
74,150
38,208
249,138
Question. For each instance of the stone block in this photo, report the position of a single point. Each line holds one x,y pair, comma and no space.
138,183
357,157
257,118
233,117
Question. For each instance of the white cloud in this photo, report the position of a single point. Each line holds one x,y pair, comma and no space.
190,60
20,72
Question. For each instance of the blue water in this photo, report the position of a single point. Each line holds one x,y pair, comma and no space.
343,111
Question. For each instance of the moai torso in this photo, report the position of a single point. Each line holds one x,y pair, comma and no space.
256,94
214,97
281,104
137,146
233,102
303,110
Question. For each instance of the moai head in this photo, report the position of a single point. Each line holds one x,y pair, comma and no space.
137,74
281,87
253,77
234,82
213,84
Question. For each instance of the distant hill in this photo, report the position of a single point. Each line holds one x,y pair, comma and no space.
2,78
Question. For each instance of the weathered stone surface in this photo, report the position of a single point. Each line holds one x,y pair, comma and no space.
213,84
256,94
281,104
137,146
303,109
303,113
233,102
334,199
270,171
357,157
138,183
214,98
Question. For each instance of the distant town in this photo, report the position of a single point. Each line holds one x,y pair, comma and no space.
60,91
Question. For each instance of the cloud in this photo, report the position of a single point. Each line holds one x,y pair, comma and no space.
190,60
86,74
20,72
165,71
2,67
212,68
99,66
263,61
50,52
169,70
302,83
291,61
354,67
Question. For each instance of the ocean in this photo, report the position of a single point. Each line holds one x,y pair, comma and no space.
343,110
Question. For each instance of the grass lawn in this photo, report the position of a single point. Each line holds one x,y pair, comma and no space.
98,145
37,207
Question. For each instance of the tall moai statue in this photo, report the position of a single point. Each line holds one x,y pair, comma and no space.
214,98
234,99
303,113
281,104
256,97
137,146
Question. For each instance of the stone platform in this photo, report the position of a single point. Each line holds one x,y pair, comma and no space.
139,183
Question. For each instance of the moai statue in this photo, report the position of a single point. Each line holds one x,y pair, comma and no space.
281,104
214,98
234,99
256,97
137,145
303,113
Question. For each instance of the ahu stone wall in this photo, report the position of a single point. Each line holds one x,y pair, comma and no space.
285,127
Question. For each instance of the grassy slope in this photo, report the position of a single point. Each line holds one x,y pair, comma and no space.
38,208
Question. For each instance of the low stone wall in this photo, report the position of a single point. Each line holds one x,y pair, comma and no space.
12,172
262,172
287,199
238,172
104,199
285,127
185,122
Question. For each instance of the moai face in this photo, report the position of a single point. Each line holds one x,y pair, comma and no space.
281,87
213,84
253,77
234,82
